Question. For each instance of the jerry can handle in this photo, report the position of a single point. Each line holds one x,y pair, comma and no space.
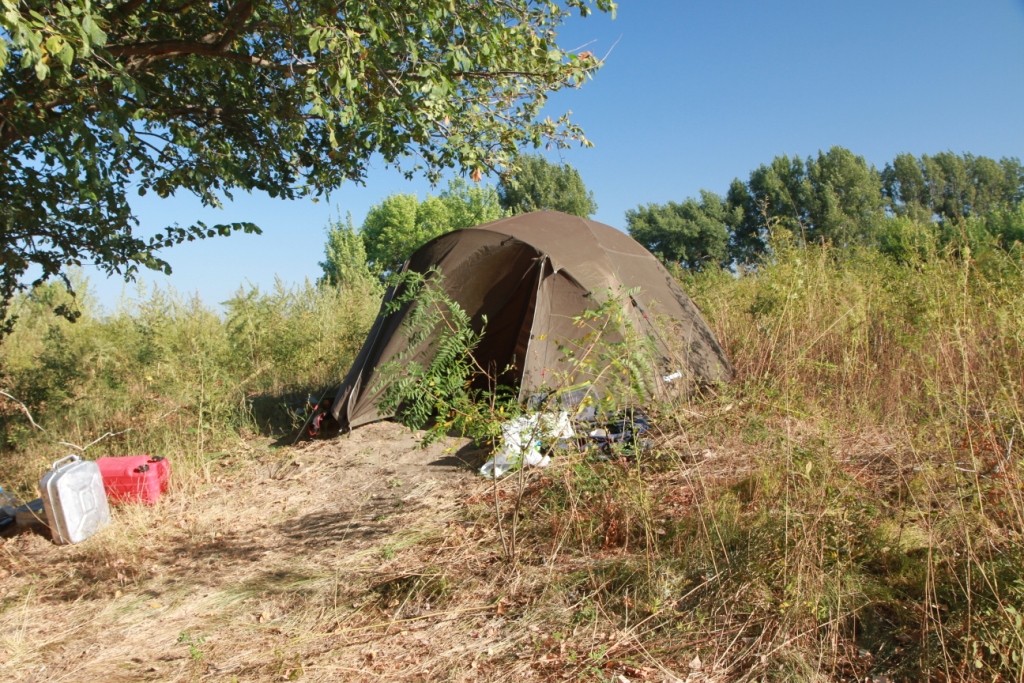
72,458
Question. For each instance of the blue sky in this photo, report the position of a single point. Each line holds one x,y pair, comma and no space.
693,95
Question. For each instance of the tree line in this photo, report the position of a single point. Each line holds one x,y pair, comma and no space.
837,197
912,204
401,223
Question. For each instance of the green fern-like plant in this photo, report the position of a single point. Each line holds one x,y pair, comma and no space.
443,392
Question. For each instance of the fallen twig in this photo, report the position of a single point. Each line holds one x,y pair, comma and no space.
24,409
80,449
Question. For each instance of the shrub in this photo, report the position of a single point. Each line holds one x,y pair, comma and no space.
169,375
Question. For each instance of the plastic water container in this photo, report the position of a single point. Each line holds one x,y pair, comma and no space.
74,500
8,510
8,504
31,514
135,478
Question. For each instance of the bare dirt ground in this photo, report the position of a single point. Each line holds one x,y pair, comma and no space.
277,571
365,557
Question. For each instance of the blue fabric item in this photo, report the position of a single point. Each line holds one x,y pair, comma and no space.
624,428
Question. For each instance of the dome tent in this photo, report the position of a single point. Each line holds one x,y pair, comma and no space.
530,275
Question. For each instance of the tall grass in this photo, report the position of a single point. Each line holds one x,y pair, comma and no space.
881,402
167,374
851,505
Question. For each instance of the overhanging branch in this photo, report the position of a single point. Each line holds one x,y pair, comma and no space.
167,49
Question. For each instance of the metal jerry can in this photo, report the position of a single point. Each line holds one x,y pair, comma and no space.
135,478
74,500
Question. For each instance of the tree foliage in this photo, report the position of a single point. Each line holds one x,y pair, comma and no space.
344,261
401,223
837,197
536,184
692,234
103,97
949,186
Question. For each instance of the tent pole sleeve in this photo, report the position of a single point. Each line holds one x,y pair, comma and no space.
533,323
388,296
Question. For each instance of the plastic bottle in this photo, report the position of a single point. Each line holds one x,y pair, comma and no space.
8,498
8,504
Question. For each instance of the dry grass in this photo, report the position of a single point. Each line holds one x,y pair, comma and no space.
850,509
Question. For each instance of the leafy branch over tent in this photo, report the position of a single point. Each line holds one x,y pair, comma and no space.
99,99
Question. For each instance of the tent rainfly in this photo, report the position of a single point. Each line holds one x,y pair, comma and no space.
530,275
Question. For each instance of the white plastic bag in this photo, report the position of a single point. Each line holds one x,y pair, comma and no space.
521,442
556,426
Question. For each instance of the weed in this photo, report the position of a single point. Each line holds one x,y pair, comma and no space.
193,642
164,374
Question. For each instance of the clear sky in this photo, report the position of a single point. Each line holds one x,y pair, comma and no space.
693,94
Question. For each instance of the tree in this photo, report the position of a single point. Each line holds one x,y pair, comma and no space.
836,196
692,234
400,224
103,97
948,186
747,238
844,197
344,261
1007,225
780,192
914,206
905,189
535,184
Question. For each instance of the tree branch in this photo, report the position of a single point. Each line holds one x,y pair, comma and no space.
126,9
24,409
166,49
236,17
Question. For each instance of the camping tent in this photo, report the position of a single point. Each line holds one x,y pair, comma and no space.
530,275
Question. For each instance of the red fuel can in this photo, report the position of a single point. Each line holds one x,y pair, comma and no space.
135,478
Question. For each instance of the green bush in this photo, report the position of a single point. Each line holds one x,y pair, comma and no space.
169,375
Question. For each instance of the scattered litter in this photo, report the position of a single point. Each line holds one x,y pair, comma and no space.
8,501
321,417
625,429
74,500
671,378
522,440
15,516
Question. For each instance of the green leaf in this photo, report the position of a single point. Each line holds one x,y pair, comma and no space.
66,54
97,36
54,44
268,126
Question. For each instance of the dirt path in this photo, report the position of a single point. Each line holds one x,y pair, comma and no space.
295,568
